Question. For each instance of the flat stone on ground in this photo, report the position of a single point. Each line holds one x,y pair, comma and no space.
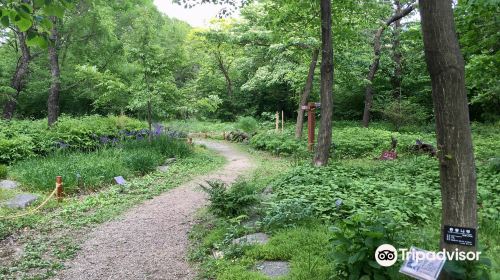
21,200
170,161
256,238
274,268
8,184
163,168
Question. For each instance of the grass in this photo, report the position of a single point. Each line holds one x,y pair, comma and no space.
87,171
52,236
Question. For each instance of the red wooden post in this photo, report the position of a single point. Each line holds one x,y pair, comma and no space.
59,188
311,124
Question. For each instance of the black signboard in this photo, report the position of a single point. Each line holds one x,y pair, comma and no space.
459,235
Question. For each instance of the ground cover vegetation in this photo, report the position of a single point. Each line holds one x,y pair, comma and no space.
328,222
73,62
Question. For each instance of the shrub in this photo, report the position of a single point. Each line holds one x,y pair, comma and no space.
3,171
494,165
287,213
354,243
142,160
279,143
21,139
348,142
404,113
247,124
230,201
20,147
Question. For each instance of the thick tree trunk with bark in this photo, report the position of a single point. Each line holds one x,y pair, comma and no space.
305,94
55,88
446,68
19,78
376,60
325,127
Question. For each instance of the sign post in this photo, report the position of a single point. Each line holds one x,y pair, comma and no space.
311,124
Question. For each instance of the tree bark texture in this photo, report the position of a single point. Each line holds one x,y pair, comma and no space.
325,127
446,68
55,87
376,60
19,78
305,94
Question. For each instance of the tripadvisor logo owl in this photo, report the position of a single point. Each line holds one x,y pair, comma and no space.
386,255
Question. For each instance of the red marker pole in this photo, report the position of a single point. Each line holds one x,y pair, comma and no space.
311,123
59,188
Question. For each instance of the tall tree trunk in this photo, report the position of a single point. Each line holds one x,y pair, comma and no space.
305,94
396,54
19,78
376,60
396,58
55,88
446,68
325,126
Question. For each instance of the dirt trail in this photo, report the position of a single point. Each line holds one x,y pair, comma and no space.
150,240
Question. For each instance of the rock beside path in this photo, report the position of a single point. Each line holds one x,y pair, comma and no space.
251,239
274,269
8,184
163,168
22,200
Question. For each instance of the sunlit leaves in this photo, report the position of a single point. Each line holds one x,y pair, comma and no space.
33,16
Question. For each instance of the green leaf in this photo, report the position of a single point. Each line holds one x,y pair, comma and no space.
23,24
5,21
54,10
38,3
46,24
37,40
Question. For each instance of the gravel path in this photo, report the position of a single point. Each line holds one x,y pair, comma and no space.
150,241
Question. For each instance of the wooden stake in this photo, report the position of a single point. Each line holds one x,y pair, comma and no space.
277,121
282,121
311,123
59,188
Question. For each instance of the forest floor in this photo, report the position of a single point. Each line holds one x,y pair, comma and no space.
151,240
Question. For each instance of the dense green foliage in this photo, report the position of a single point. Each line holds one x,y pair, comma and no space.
3,171
363,201
247,66
124,59
230,201
25,139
